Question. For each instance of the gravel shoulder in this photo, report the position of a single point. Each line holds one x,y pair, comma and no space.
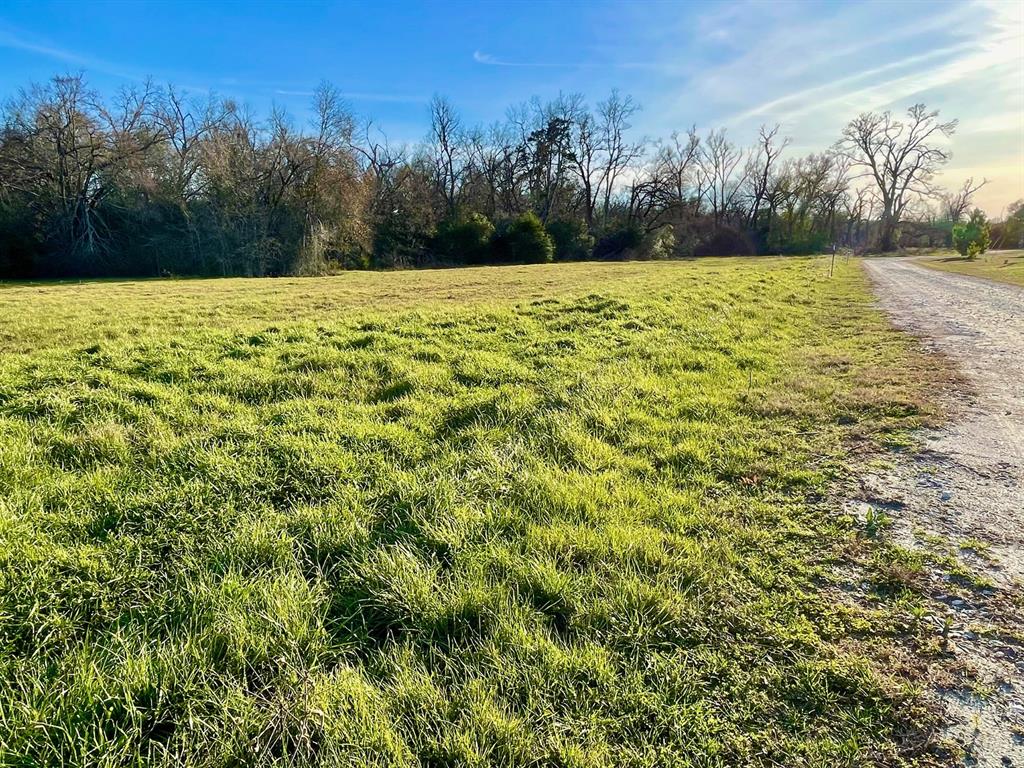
964,485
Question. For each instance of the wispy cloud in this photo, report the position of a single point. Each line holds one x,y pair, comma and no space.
784,78
493,61
911,86
12,38
812,68
18,40
789,105
973,67
601,60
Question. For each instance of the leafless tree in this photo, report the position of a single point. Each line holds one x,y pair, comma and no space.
680,160
585,160
187,125
857,212
447,150
956,203
151,181
67,150
759,168
721,163
619,153
378,159
899,157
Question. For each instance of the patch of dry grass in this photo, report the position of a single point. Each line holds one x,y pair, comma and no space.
1004,266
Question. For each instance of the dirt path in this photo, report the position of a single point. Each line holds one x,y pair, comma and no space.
965,487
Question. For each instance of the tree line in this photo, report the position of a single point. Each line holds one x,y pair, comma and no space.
154,182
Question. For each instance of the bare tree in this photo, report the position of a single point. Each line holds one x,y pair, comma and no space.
759,168
67,151
900,158
548,154
680,161
720,160
857,210
601,151
187,125
585,160
447,150
956,203
614,115
379,160
652,198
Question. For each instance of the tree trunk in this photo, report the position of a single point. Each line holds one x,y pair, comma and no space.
887,237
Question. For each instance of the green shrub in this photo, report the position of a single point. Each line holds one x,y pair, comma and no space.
572,240
524,240
972,238
725,241
464,240
19,244
399,240
659,244
619,243
352,258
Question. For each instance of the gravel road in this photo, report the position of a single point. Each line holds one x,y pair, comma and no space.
965,485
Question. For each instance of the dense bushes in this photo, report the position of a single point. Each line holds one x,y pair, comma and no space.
151,183
465,240
473,239
18,242
971,238
619,243
571,239
725,241
659,244
524,239
1010,232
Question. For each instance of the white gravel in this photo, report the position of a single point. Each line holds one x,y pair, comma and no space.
966,482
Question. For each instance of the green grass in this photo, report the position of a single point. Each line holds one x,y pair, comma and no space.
567,515
1004,266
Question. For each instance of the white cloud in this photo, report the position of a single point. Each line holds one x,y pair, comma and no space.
813,68
493,61
12,38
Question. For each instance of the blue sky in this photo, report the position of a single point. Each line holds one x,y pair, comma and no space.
808,65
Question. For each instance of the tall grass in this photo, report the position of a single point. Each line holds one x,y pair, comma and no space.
565,515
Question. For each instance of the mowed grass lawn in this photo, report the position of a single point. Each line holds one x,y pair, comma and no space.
1004,266
563,515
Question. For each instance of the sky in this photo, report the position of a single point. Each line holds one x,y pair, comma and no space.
809,66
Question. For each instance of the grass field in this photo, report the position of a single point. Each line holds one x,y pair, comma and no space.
567,515
1005,266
